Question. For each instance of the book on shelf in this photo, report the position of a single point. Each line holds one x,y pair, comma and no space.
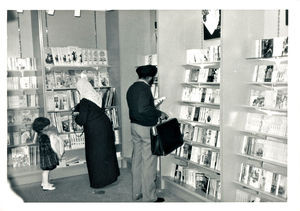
202,182
20,156
273,125
270,73
107,96
209,54
255,176
75,56
195,155
282,186
272,47
244,173
266,149
64,122
22,64
197,180
264,180
21,117
202,75
13,83
200,114
186,151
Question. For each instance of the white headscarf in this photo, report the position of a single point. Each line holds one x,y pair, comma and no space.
87,91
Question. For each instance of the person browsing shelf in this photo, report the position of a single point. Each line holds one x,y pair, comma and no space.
100,151
143,115
48,157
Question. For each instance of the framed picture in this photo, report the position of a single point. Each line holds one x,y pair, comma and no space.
211,24
286,17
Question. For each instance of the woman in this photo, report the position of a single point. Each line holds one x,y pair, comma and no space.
100,149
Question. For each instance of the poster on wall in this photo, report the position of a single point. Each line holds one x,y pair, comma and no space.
211,24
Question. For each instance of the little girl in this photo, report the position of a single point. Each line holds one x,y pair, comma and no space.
49,159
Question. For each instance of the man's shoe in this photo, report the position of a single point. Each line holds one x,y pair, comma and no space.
160,200
138,197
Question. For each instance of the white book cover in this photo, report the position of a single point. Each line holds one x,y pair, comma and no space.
278,46
266,181
261,73
282,186
255,177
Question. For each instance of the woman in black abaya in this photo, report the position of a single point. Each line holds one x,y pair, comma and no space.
100,148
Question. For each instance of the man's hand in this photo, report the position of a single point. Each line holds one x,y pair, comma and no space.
164,116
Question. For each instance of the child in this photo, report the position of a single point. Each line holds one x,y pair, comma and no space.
48,158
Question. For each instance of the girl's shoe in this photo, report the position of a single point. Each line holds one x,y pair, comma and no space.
48,187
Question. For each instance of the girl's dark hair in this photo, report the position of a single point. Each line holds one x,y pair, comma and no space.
40,123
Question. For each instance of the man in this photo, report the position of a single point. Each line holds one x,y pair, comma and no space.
143,115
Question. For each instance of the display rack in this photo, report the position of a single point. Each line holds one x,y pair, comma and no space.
24,98
263,152
200,152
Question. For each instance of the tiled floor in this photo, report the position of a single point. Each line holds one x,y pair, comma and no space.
76,189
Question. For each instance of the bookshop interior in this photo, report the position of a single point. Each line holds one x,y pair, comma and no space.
223,74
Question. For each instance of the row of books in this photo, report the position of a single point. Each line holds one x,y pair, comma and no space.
266,149
21,117
22,101
23,136
270,73
62,100
108,96
14,63
75,56
25,82
69,78
64,122
269,98
65,100
209,54
272,47
200,114
273,125
73,141
23,156
202,75
242,196
201,95
200,135
198,180
264,180
200,155
113,116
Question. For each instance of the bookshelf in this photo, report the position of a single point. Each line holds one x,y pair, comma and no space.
261,134
55,70
23,105
61,95
199,117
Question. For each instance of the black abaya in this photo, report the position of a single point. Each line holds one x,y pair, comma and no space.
100,148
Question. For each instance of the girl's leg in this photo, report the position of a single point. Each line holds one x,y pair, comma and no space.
45,179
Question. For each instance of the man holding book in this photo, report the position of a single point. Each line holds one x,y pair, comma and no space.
143,115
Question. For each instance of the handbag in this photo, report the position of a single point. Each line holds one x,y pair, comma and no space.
165,137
